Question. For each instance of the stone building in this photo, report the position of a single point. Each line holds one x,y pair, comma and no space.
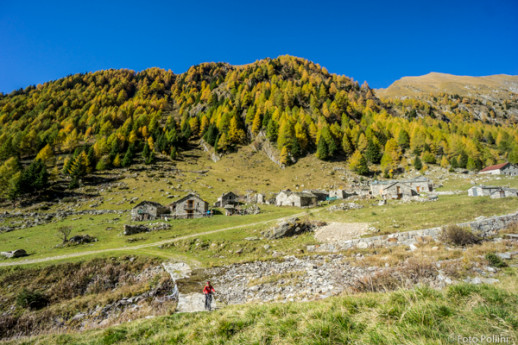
255,198
298,199
190,206
394,189
229,198
398,190
500,169
504,193
148,210
338,194
483,190
420,184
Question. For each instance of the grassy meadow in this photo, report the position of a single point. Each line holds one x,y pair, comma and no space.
243,172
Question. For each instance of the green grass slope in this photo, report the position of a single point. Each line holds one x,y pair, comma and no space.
417,316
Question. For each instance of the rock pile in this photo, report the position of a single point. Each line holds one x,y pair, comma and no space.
300,279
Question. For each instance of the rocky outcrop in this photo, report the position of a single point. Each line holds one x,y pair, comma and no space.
261,143
135,229
207,148
18,253
290,227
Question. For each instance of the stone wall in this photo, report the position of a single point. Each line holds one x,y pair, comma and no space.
482,226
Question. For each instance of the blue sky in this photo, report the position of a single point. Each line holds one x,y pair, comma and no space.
376,41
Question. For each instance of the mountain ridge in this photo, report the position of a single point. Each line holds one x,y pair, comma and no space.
438,82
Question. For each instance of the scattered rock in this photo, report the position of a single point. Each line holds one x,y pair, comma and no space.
480,280
135,229
345,207
159,226
490,269
17,253
504,256
80,239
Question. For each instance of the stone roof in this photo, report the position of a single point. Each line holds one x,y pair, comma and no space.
156,204
188,196
486,187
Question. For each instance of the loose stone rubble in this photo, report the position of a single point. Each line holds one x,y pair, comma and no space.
291,279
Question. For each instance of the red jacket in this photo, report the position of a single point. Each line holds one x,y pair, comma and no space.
208,289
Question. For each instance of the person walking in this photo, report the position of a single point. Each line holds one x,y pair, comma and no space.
207,291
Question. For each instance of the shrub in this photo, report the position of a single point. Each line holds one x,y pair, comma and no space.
31,299
495,261
406,275
458,236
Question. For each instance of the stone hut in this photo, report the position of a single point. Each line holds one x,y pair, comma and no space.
297,199
229,198
256,198
389,188
420,184
148,210
398,190
190,206
500,169
483,190
504,193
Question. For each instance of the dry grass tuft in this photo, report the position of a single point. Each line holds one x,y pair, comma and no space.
411,272
458,236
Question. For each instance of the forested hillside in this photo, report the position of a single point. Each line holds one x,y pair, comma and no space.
96,121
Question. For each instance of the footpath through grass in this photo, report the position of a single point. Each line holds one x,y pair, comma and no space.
40,241
418,316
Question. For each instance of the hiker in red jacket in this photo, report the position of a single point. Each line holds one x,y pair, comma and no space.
208,290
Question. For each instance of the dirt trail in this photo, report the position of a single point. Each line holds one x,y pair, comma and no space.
336,232
147,245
